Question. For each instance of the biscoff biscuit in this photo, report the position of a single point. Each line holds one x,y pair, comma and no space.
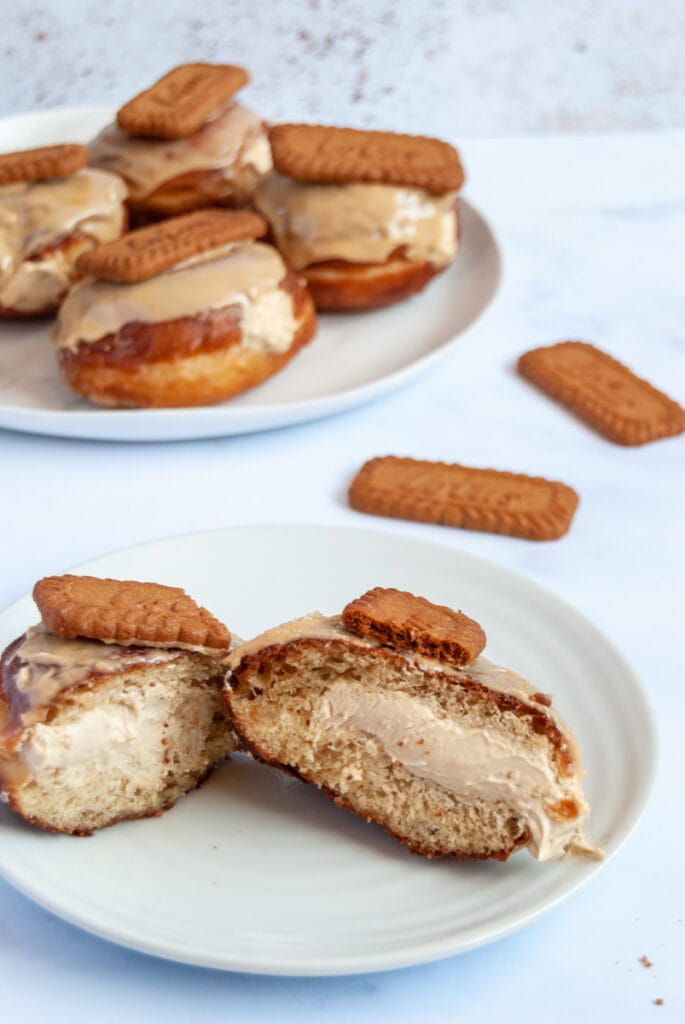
400,619
149,251
603,392
318,153
127,612
181,101
475,499
42,163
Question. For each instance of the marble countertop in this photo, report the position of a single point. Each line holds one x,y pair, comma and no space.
487,68
593,235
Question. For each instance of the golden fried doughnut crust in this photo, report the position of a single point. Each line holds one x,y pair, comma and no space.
341,286
336,285
186,362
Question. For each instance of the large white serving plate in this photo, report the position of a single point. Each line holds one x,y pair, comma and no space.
256,872
354,357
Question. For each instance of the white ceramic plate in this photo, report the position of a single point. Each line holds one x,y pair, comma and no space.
256,872
353,359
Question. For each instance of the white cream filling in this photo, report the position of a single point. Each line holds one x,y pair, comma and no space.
472,763
37,285
258,155
126,730
268,322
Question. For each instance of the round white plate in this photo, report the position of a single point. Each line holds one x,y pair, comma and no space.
354,357
256,872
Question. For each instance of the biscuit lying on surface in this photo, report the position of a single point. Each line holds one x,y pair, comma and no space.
449,494
93,731
368,217
190,311
186,143
603,392
453,760
52,210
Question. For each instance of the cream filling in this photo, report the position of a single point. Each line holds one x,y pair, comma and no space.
38,284
128,733
356,222
128,729
223,143
246,275
257,155
473,763
469,762
38,215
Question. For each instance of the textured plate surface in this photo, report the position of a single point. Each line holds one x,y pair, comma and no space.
353,358
255,872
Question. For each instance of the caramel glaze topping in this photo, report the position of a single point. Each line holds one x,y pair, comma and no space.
142,343
246,274
39,666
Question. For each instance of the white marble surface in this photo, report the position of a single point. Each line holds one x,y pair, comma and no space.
593,235
468,67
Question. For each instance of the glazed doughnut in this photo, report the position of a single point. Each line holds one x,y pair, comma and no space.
214,158
94,731
343,239
45,226
389,713
196,360
37,282
186,331
220,165
368,218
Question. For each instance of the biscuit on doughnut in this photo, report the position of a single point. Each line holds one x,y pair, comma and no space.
217,159
368,218
197,333
95,730
453,759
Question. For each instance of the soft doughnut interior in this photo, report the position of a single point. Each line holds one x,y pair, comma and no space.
126,748
283,703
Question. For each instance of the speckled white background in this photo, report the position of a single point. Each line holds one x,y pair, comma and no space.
478,68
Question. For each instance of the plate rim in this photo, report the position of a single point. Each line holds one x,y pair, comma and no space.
223,419
429,951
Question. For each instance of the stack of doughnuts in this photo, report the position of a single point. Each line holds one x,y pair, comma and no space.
351,220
